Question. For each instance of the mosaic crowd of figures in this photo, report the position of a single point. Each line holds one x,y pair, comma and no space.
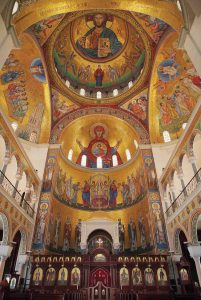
63,243
178,86
19,89
100,191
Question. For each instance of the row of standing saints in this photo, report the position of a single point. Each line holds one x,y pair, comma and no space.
138,277
62,243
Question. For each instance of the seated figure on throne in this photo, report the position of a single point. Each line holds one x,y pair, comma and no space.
99,147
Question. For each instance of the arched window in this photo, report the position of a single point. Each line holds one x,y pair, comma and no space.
130,84
15,7
136,144
184,125
14,125
70,154
115,92
128,154
99,163
114,160
166,136
67,83
84,160
82,92
179,5
99,95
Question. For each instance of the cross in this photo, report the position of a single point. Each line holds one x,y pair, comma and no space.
99,242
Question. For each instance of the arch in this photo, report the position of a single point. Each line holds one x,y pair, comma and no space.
119,113
168,12
99,246
193,222
8,13
109,226
191,140
4,221
187,169
23,241
179,163
196,148
2,150
11,170
177,244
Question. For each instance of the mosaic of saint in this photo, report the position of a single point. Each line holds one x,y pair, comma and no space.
61,105
99,147
99,42
85,44
138,105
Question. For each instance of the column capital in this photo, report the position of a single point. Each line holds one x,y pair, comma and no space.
194,250
192,159
18,176
5,251
180,175
176,257
22,258
6,160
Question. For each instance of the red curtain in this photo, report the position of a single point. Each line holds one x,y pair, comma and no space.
100,275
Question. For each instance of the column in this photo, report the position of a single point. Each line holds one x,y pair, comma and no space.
27,193
21,262
174,258
6,161
5,252
18,177
171,185
180,175
192,161
173,205
195,253
166,201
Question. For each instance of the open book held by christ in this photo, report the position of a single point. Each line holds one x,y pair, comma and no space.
103,47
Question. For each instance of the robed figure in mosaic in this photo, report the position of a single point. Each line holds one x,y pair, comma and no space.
132,233
99,41
99,147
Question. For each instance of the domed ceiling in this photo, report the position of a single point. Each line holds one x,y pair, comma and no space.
99,61
99,57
